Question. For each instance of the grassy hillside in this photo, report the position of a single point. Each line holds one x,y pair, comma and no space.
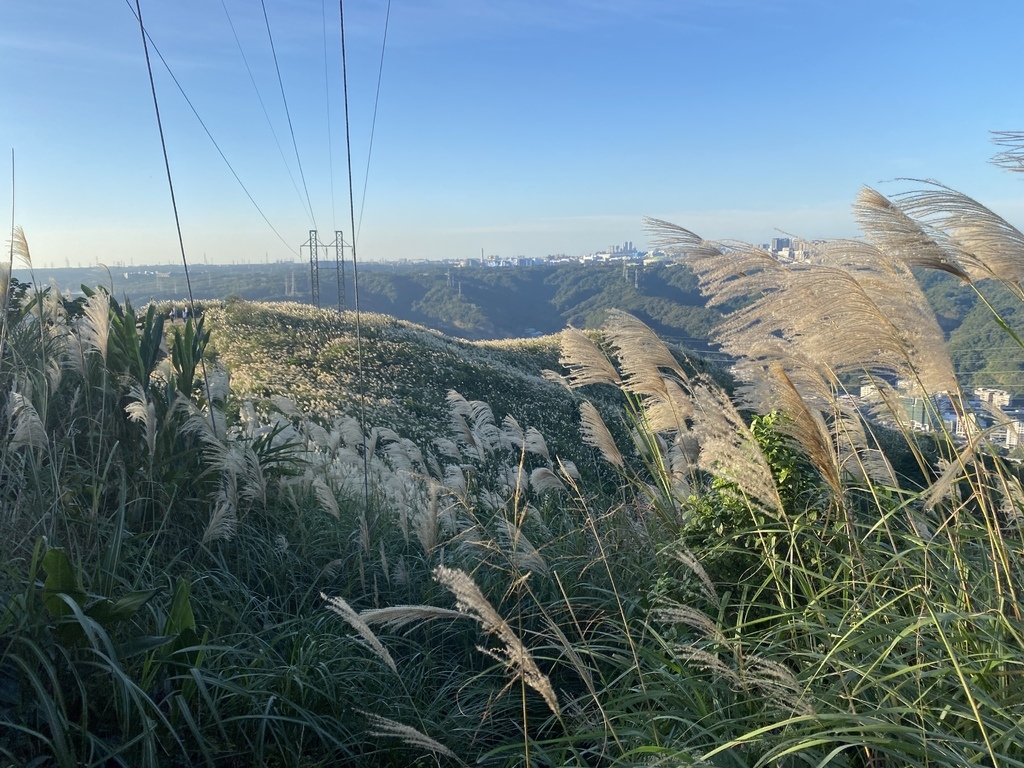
311,357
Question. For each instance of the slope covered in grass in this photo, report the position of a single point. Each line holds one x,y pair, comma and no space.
311,356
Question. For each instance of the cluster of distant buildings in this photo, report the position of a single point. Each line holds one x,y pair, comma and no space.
987,408
785,249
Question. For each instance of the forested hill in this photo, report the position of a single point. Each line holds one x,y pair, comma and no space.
472,303
517,302
983,354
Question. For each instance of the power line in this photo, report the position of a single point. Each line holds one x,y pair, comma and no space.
327,90
373,124
355,270
5,301
210,136
174,203
287,113
266,114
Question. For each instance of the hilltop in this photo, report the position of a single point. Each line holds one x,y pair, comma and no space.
311,356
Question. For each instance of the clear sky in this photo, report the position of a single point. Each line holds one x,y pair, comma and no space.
513,126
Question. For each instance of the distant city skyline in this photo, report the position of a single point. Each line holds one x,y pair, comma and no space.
516,127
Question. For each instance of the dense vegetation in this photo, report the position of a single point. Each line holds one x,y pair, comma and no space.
619,563
471,302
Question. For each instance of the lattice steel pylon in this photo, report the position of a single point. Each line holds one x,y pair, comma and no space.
339,258
314,267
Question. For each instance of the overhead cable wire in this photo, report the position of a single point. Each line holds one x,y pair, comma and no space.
287,113
373,123
215,144
6,300
355,270
266,114
327,90
174,202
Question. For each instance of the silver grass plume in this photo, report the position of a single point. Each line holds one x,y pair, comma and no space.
729,450
586,363
893,288
904,238
19,248
343,609
807,428
950,473
455,480
94,327
687,558
383,727
543,479
1011,156
568,469
425,519
534,443
517,659
142,411
995,245
595,433
287,407
397,617
326,497
513,431
27,428
218,453
223,523
717,265
255,488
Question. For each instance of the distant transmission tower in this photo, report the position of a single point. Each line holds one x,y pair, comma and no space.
339,264
314,245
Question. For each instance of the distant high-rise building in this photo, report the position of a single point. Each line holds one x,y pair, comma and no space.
778,243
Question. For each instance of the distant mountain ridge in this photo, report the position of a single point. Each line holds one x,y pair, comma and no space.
479,303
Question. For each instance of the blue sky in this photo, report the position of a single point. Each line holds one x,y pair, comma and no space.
513,126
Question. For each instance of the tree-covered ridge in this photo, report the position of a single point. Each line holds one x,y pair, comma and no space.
469,302
982,353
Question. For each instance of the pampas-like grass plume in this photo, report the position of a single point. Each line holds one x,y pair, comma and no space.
140,410
19,248
223,522
383,727
994,245
343,609
586,363
326,497
94,327
729,450
399,616
518,548
471,602
28,430
595,433
900,236
543,479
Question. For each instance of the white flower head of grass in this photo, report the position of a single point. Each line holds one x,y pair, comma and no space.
469,600
586,362
223,523
28,430
595,433
383,727
343,609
